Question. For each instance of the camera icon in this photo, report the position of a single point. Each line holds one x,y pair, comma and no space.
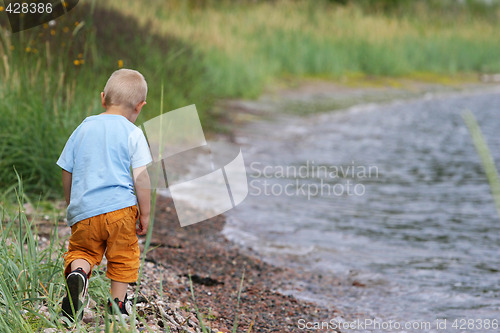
204,180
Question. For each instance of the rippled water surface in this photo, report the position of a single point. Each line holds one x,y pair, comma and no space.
420,230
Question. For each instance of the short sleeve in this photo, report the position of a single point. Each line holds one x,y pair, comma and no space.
66,160
139,149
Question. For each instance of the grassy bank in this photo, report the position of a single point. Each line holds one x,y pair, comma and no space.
247,46
52,77
203,50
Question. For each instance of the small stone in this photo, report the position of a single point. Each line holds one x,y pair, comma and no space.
178,318
141,299
92,304
28,209
163,312
88,315
49,330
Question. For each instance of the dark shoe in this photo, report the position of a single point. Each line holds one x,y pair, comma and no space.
124,307
72,304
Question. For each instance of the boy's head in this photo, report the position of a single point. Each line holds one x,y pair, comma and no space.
125,88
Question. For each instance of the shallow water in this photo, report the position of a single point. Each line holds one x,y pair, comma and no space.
392,197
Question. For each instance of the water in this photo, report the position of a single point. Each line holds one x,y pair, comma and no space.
420,230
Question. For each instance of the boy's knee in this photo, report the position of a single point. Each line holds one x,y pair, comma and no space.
73,260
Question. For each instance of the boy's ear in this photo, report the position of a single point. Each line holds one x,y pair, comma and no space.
103,103
140,105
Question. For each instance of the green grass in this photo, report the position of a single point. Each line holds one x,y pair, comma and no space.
249,45
31,277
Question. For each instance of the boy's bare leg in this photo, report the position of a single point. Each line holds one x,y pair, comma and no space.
84,264
118,290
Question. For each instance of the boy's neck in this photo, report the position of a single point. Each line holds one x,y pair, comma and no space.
118,110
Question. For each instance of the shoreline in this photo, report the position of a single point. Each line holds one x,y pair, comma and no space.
216,266
315,96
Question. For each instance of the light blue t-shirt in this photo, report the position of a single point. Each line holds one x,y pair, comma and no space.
99,154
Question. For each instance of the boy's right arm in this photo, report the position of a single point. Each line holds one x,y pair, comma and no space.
143,192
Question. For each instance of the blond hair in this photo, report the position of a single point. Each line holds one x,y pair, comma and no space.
125,87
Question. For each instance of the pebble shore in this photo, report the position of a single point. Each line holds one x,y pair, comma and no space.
198,260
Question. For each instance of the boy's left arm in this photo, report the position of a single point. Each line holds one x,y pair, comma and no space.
66,179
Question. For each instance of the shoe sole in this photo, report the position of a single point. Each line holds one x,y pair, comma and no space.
121,315
75,287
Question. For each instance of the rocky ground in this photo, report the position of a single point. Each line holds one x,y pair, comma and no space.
219,271
195,273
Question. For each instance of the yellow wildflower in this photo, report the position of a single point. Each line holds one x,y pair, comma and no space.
76,62
28,49
82,61
1,8
120,63
45,25
65,29
52,32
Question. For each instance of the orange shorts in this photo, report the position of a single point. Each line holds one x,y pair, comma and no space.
113,233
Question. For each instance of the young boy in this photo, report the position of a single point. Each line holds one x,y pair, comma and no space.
99,190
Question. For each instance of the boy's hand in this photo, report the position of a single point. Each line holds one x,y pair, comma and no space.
143,225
